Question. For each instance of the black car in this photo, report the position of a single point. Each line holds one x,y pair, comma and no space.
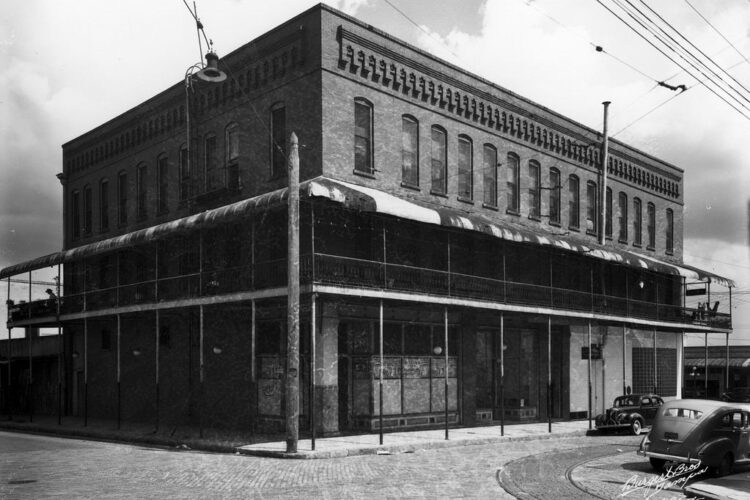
633,412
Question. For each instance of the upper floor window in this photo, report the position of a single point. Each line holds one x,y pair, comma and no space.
439,161
651,226
122,198
489,171
363,137
514,193
75,201
623,205
608,221
465,169
104,205
87,209
232,149
162,184
184,175
592,211
535,188
141,191
278,140
574,202
210,164
409,151
637,222
670,231
554,196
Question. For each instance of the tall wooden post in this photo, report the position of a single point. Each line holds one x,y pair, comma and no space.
292,318
589,373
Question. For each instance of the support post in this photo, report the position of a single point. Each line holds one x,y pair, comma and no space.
119,400
624,358
31,376
380,374
705,366
656,376
60,348
253,378
292,371
313,320
201,371
549,374
85,372
445,321
8,385
726,364
502,368
156,362
589,373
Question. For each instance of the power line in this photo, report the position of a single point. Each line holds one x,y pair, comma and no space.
431,35
717,31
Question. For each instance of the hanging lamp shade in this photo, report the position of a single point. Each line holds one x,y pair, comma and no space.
212,73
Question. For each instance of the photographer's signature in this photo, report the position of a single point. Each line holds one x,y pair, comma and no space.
675,477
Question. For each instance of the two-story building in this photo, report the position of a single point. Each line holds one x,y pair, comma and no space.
448,225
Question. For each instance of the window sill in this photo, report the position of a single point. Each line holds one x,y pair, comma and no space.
574,228
591,232
438,193
364,174
490,207
669,252
637,245
535,218
650,248
468,201
410,186
555,223
622,241
162,212
512,212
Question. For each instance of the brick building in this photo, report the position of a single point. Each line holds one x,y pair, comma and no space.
434,205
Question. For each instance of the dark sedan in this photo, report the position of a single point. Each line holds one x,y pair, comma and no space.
632,412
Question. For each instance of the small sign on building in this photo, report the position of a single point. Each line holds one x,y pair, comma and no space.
596,352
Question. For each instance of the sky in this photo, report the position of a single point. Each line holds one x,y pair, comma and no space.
70,65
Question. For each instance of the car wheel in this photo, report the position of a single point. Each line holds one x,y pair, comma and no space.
725,467
657,464
635,427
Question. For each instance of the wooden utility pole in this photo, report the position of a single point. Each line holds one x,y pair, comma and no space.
605,164
292,317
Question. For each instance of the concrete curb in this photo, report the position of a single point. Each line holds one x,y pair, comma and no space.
400,448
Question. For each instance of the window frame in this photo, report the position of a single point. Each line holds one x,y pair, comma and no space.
184,177
609,220
592,208
409,177
465,167
574,202
232,155
535,190
368,166
651,225
88,208
141,191
489,175
211,169
623,217
104,205
162,184
122,198
555,198
439,165
669,232
513,184
75,202
637,222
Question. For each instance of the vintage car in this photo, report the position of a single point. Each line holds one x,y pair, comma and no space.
633,412
713,434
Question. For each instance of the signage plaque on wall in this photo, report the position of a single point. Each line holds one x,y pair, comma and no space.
596,352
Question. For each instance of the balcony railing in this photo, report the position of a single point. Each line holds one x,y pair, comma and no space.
350,272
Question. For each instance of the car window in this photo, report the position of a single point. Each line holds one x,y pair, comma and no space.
683,413
645,401
658,401
731,420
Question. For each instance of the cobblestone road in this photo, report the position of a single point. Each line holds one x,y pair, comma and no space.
47,467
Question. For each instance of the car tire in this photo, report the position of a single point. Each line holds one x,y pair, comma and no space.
636,426
657,464
725,466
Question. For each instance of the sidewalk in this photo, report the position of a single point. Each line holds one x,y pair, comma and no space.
270,445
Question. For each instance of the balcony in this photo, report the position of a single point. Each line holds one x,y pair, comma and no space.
356,273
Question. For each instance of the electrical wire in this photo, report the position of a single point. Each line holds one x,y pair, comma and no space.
717,31
428,33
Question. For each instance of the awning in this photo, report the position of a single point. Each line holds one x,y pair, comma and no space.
721,362
368,200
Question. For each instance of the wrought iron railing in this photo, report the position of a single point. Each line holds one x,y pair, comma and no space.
350,272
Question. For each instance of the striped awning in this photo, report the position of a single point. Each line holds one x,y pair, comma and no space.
368,200
721,362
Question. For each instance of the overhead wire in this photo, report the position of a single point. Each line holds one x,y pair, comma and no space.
717,31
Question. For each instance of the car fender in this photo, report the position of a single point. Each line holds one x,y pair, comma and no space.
636,415
713,451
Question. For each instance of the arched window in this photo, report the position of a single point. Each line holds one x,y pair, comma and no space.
592,207
465,168
75,202
651,226
623,206
608,222
122,198
211,172
409,151
232,153
554,196
489,175
514,193
637,222
87,209
439,161
162,184
535,190
363,160
184,174
104,205
141,192
670,231
574,202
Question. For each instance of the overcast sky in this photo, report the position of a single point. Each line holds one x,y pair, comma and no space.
70,65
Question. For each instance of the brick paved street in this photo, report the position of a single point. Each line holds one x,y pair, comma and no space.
47,467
